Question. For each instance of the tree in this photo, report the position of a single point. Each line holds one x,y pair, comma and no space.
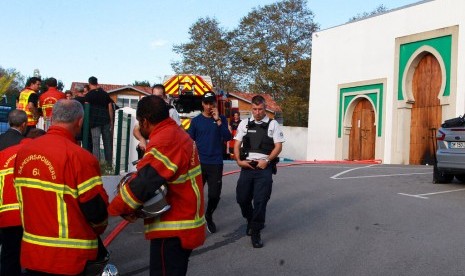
11,83
272,49
269,52
207,53
380,9
145,83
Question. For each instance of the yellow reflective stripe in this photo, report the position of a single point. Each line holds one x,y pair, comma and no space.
62,217
6,171
60,242
47,105
9,207
20,200
45,186
2,184
191,174
158,225
195,187
165,160
128,198
89,184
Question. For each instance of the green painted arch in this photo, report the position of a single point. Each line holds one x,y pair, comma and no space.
372,91
443,45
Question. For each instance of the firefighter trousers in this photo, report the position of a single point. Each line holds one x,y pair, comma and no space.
167,257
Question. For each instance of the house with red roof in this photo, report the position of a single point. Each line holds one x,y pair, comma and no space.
122,95
244,104
129,96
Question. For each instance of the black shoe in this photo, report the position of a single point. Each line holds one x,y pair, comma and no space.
256,240
211,227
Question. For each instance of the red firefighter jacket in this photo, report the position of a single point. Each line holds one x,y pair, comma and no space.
22,104
48,99
9,206
173,156
62,202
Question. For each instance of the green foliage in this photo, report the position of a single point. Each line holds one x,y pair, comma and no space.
269,52
295,110
144,83
207,53
380,9
11,82
5,83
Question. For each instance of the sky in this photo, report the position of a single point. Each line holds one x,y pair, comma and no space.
121,41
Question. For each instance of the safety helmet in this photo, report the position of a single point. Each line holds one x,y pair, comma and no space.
110,270
153,207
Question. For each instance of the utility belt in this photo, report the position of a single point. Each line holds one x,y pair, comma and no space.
243,154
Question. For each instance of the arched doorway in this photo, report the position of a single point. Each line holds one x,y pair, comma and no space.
362,132
426,111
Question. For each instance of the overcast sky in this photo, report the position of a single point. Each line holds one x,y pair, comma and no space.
122,41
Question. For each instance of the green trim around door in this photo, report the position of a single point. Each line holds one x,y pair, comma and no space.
441,44
372,91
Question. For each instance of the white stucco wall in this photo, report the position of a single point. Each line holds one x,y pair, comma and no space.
364,51
295,147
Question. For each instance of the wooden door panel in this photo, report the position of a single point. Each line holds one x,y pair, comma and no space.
363,132
426,112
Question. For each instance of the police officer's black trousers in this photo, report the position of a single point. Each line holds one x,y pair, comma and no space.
252,194
167,257
11,248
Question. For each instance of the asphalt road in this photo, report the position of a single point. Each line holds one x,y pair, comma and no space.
334,219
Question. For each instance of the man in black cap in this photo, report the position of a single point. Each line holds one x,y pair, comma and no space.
210,131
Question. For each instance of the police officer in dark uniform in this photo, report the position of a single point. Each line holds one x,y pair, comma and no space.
261,139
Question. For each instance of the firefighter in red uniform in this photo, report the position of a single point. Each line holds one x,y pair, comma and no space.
175,233
10,220
28,102
48,99
62,201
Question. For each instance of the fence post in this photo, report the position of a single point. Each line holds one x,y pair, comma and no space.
86,127
118,142
128,139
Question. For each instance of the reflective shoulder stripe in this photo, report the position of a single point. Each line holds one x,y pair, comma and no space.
60,242
6,171
158,225
9,207
191,174
45,186
89,184
128,199
165,160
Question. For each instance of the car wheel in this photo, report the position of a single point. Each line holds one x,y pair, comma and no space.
460,177
441,177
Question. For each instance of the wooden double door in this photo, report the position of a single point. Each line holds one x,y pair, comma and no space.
363,132
426,113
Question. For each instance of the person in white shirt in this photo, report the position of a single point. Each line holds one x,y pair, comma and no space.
157,90
261,139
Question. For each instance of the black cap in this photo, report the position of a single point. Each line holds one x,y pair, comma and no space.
209,97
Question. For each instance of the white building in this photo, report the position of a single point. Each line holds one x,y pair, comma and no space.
381,86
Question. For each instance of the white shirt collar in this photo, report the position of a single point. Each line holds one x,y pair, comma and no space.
264,120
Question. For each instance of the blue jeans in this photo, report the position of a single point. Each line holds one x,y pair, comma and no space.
252,194
105,132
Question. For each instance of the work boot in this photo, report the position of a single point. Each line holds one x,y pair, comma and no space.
256,239
211,227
